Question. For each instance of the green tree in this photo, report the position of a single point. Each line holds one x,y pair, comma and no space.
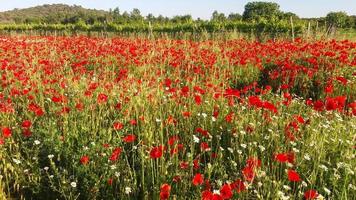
351,22
116,13
234,17
337,19
136,15
150,17
124,18
353,17
288,15
182,19
216,16
161,19
256,11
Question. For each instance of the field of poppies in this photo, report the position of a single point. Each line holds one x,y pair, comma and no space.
132,118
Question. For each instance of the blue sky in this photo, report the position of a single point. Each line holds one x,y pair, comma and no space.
197,8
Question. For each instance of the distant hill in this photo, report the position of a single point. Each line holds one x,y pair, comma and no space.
54,13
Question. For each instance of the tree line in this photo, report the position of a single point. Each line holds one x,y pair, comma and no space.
257,16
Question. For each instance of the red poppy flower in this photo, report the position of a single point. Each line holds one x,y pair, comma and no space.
269,106
202,131
331,104
207,195
197,99
284,86
84,160
248,174
318,105
341,100
226,192
58,99
199,90
249,129
6,132
118,106
198,179
185,91
93,86
253,162
287,95
229,117
172,140
293,176
27,133
26,124
204,146
285,157
216,113
213,155
232,93
184,165
165,191
102,98
342,80
39,112
300,119
255,101
217,197
129,138
238,185
110,181
79,106
168,82
88,93
311,194
186,114
329,89
115,154
309,102
177,179
118,126
65,110
156,152
133,122
142,118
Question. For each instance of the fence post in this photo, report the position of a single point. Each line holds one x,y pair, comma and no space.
150,29
308,33
291,22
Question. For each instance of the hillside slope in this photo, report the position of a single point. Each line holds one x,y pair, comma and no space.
54,13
